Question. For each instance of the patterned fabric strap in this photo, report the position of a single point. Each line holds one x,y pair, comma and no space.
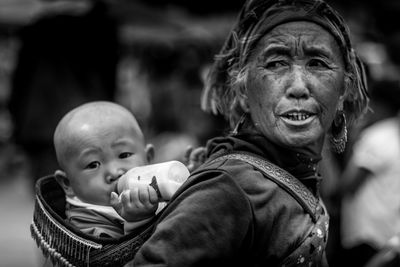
281,177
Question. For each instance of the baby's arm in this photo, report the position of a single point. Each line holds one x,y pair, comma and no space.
136,204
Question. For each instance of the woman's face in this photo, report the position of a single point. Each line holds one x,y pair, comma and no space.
295,83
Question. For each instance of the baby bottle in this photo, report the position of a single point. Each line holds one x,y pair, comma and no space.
165,178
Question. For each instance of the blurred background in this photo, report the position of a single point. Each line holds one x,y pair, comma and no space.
150,56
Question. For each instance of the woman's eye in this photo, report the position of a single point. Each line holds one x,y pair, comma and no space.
319,63
125,155
275,64
93,165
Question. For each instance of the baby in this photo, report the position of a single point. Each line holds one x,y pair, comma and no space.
96,144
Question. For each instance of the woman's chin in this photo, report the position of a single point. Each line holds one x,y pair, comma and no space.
300,134
301,139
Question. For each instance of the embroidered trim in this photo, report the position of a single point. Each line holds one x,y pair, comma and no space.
281,177
55,257
311,251
56,241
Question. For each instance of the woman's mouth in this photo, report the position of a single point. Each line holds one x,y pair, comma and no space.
298,118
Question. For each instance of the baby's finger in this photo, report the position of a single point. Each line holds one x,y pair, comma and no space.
153,197
144,195
188,152
115,202
135,199
126,196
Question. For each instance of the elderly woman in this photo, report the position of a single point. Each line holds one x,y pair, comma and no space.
286,79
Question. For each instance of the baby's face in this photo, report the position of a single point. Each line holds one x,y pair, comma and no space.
99,156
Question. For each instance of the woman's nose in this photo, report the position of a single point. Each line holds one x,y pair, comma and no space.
298,86
114,173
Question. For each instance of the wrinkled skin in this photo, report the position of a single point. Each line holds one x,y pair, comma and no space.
295,84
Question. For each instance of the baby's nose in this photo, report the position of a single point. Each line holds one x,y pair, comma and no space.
115,173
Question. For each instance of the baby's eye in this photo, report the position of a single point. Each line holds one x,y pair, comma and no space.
125,155
93,165
319,63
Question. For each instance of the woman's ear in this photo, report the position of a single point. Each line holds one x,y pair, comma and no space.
346,88
149,150
242,98
63,181
341,103
244,103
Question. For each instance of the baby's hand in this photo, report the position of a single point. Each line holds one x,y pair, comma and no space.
135,204
194,157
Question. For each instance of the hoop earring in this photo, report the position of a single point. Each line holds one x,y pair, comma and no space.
339,133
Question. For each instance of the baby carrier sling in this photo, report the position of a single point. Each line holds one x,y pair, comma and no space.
66,246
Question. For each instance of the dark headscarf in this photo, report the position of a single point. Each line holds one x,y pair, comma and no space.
256,19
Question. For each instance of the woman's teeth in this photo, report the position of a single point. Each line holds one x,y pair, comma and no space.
297,116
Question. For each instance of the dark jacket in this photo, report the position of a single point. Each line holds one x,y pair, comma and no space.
229,214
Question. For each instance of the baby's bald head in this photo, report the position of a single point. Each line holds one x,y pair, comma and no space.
94,117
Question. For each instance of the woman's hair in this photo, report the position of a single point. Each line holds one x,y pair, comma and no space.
227,77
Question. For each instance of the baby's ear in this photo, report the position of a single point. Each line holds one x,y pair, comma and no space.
149,150
62,180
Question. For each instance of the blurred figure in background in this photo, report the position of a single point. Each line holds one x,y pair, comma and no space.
64,61
11,158
388,256
370,183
